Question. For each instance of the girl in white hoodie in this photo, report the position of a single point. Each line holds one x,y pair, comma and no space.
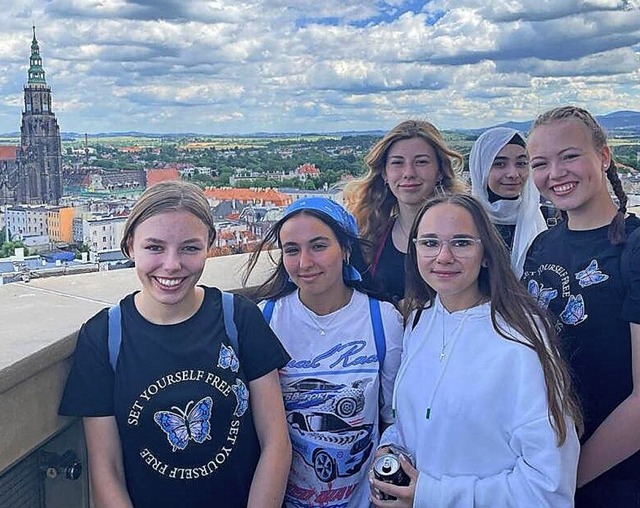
482,398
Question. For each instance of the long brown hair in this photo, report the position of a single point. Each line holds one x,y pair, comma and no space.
510,303
616,231
369,198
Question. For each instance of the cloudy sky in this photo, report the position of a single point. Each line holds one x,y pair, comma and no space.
243,66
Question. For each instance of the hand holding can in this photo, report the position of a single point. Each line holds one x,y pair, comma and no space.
387,468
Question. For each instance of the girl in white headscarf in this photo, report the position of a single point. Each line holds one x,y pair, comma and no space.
499,170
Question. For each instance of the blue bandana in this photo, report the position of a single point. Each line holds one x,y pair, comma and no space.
328,207
338,214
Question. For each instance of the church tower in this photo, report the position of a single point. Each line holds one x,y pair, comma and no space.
40,151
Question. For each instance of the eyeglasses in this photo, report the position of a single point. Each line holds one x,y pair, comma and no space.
460,246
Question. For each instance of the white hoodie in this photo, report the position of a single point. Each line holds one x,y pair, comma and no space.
476,422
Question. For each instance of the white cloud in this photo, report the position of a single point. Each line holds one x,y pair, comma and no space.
278,65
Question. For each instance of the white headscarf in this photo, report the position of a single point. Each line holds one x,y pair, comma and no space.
524,212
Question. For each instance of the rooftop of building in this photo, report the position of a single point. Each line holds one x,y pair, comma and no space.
248,195
162,174
8,153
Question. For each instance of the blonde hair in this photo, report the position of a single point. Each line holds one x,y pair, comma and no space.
369,199
616,231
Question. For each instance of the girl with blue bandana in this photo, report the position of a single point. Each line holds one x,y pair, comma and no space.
344,347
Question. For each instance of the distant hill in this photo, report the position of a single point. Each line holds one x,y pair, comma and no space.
618,124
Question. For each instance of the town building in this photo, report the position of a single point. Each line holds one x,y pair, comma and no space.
16,221
8,174
103,233
60,224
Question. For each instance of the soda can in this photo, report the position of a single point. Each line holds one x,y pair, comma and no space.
387,469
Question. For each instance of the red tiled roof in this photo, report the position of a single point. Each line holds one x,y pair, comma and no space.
248,195
160,175
8,153
309,169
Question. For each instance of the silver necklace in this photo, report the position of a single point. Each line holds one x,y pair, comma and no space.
445,343
322,329
402,228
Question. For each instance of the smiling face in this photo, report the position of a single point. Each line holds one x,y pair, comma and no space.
567,168
509,171
312,257
170,250
411,170
455,279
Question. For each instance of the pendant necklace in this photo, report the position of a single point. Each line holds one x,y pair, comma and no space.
322,329
402,229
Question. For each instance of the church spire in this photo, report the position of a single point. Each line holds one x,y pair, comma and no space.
36,72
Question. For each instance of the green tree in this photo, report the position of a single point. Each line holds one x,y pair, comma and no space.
79,249
8,249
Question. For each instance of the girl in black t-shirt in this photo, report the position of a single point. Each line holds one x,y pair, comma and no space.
574,270
185,415
408,165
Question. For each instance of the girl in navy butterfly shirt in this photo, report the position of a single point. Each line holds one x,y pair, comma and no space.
574,270
181,418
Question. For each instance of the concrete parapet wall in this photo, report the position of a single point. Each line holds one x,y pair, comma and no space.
39,321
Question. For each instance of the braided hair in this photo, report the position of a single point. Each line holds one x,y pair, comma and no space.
616,232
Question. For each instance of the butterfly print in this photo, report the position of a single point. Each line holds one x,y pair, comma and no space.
183,426
242,397
573,313
228,359
542,294
591,275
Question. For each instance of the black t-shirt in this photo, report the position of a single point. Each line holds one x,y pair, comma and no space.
181,400
389,272
507,233
576,274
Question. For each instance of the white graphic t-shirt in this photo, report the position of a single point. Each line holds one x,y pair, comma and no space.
334,392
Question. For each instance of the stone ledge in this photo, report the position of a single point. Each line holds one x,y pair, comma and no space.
40,320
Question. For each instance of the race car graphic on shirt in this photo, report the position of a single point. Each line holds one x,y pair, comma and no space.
328,444
324,396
